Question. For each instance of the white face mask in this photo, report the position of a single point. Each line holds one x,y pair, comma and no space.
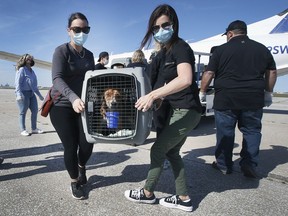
164,35
105,61
80,38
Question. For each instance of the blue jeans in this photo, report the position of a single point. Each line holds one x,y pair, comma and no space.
249,123
29,101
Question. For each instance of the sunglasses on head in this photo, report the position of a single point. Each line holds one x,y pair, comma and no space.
166,26
77,29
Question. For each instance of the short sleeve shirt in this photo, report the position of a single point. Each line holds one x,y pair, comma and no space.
239,66
179,53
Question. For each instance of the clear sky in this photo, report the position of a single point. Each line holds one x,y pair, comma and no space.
39,26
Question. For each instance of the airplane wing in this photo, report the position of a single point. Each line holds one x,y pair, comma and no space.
14,58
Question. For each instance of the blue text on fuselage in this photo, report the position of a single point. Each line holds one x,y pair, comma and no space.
278,49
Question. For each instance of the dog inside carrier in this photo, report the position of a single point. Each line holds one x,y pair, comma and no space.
110,114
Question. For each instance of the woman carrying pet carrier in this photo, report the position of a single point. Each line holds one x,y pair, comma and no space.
70,63
177,64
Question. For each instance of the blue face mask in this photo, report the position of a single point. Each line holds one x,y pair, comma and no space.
80,38
163,35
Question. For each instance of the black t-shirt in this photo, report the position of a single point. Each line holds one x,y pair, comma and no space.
239,67
179,53
68,73
99,66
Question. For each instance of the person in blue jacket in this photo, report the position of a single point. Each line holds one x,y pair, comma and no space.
26,87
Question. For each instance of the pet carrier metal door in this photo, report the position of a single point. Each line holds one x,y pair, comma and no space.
110,115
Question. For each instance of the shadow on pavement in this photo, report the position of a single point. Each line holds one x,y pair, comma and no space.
203,179
55,163
269,159
46,164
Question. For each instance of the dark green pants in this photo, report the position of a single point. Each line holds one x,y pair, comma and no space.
173,136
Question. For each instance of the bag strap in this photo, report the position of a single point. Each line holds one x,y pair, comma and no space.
69,80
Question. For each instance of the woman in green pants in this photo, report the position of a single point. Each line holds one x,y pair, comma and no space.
177,66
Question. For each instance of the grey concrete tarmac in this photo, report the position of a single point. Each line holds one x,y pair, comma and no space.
33,179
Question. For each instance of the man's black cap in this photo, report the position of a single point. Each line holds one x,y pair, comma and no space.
237,24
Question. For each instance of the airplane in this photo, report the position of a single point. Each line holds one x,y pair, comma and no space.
272,32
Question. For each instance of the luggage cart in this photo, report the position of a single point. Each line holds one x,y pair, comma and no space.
110,115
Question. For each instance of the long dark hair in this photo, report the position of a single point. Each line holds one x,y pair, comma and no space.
160,10
76,15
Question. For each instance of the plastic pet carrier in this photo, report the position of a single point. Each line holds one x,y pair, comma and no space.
110,115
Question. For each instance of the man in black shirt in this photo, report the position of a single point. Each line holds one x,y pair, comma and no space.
244,73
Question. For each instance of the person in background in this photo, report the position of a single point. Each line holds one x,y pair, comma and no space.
70,63
177,66
138,59
26,87
102,61
244,73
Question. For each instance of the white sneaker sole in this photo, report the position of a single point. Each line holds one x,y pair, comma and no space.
25,134
171,205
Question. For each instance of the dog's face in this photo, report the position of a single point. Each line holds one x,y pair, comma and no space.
112,98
